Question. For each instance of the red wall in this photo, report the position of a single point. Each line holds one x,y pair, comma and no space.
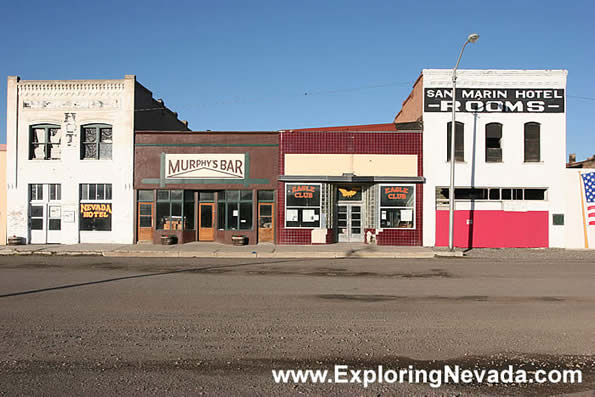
494,229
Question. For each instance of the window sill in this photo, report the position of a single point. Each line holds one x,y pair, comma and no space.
533,162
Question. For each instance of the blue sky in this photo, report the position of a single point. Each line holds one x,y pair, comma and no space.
248,65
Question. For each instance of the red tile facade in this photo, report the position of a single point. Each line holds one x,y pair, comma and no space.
349,141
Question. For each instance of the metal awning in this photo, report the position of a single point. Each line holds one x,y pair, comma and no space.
352,179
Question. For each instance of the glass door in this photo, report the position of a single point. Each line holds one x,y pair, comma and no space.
37,223
145,222
206,226
349,223
266,222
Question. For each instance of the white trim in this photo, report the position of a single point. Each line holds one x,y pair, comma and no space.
413,207
285,205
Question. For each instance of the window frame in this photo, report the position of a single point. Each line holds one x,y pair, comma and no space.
462,140
500,127
526,140
301,208
239,201
104,200
98,143
514,193
47,143
182,201
380,206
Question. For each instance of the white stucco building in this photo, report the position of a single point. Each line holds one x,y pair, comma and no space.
510,156
70,157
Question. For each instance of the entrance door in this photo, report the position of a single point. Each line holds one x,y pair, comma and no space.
54,223
145,222
206,226
349,222
37,224
266,222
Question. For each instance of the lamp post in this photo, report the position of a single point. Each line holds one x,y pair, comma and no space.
472,38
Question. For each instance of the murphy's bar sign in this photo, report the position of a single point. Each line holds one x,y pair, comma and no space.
205,166
491,100
96,210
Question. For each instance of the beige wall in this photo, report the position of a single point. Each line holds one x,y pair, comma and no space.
357,164
2,194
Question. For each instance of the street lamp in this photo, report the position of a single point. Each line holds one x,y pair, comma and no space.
472,38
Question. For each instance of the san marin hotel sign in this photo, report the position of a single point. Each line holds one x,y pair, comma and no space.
205,168
483,100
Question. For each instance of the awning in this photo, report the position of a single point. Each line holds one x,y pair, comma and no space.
352,179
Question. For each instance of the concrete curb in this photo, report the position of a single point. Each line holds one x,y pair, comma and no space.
237,255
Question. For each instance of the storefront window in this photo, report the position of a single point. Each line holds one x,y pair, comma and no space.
175,210
95,207
397,206
235,210
302,205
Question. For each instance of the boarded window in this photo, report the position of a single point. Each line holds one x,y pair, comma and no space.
493,143
459,141
532,145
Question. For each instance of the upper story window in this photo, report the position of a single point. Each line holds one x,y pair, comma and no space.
494,143
459,141
96,142
532,142
44,142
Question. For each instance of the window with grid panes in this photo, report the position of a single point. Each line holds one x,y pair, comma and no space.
96,142
44,142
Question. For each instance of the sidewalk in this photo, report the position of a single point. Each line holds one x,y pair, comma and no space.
216,250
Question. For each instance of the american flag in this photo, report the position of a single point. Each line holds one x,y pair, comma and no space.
589,186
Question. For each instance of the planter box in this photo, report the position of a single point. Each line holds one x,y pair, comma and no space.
169,240
239,240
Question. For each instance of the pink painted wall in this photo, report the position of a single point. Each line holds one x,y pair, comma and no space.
494,229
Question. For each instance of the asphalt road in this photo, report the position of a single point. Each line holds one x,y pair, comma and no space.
94,325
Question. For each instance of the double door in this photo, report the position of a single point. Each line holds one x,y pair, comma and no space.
45,223
349,222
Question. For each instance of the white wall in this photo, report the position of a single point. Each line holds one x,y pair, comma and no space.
91,101
512,172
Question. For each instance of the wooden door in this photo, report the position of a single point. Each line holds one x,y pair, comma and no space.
266,222
145,222
206,222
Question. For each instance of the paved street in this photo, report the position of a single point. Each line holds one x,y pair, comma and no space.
180,326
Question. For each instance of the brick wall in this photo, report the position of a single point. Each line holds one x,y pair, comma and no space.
333,142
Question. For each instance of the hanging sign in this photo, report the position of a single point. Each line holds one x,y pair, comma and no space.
495,100
205,166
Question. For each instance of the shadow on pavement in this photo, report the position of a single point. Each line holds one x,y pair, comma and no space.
109,280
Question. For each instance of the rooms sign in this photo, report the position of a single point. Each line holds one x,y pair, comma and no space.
205,166
489,100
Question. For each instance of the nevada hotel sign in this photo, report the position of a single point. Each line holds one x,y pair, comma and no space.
493,100
205,166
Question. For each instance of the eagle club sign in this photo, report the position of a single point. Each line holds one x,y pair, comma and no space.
205,166
495,100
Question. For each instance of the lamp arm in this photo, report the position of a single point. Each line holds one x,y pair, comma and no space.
454,71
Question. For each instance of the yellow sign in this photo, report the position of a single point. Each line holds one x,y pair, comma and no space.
348,193
96,210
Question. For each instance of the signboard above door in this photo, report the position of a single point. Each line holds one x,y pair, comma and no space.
205,166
